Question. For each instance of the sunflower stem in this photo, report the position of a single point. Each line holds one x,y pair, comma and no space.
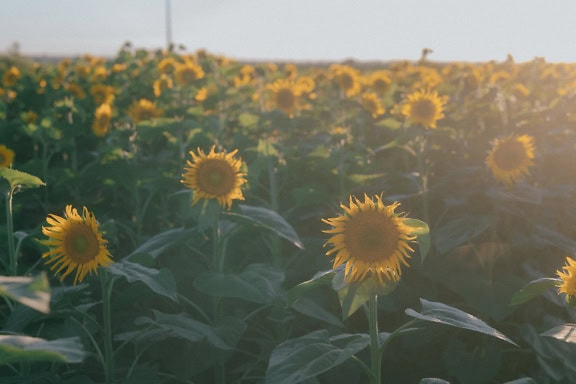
220,370
375,352
10,233
106,284
275,205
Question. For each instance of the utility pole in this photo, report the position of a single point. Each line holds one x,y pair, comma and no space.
168,25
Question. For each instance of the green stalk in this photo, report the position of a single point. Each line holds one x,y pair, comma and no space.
10,233
106,283
220,370
375,353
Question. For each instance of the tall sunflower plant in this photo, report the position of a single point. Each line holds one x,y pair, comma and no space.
370,244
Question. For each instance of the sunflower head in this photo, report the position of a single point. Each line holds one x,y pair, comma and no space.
75,244
347,79
102,118
11,77
424,107
187,73
286,96
372,104
102,93
568,279
370,239
511,157
6,156
215,176
143,109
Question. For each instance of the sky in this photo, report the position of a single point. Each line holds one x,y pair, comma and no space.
298,30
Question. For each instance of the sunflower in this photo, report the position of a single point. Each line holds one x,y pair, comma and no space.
161,84
6,156
102,93
371,103
347,79
371,239
568,277
102,118
424,107
75,243
11,77
188,72
286,96
143,109
214,176
167,65
76,91
379,81
511,157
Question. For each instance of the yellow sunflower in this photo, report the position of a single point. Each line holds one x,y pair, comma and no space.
11,77
102,118
75,243
372,104
424,107
379,81
167,65
102,93
214,176
6,156
161,84
371,239
347,79
511,157
187,73
286,96
568,277
76,91
143,109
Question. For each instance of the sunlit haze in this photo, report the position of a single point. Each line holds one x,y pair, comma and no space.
298,29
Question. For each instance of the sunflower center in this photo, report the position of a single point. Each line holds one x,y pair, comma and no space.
81,243
346,81
215,177
371,236
285,98
423,109
380,85
510,155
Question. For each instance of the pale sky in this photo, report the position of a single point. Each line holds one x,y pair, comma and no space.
456,30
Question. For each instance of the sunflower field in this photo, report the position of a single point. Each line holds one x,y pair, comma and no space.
173,217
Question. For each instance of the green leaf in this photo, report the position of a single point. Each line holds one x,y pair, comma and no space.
445,314
157,244
565,332
267,219
248,120
522,380
180,325
422,232
26,348
433,380
160,281
533,289
257,283
315,310
33,292
319,279
20,179
354,295
306,357
460,230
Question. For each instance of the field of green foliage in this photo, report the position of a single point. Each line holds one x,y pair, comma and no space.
173,217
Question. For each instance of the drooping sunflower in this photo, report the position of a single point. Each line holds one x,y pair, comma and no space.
370,239
76,244
424,107
102,118
286,96
6,156
214,176
11,77
568,277
372,104
188,72
511,157
143,109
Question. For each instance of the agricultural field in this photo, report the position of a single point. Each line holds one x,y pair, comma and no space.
174,217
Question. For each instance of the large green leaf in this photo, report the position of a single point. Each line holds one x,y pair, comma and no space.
223,336
422,232
33,292
160,281
306,357
20,179
445,314
157,244
267,219
319,279
564,332
460,230
26,348
533,289
258,283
